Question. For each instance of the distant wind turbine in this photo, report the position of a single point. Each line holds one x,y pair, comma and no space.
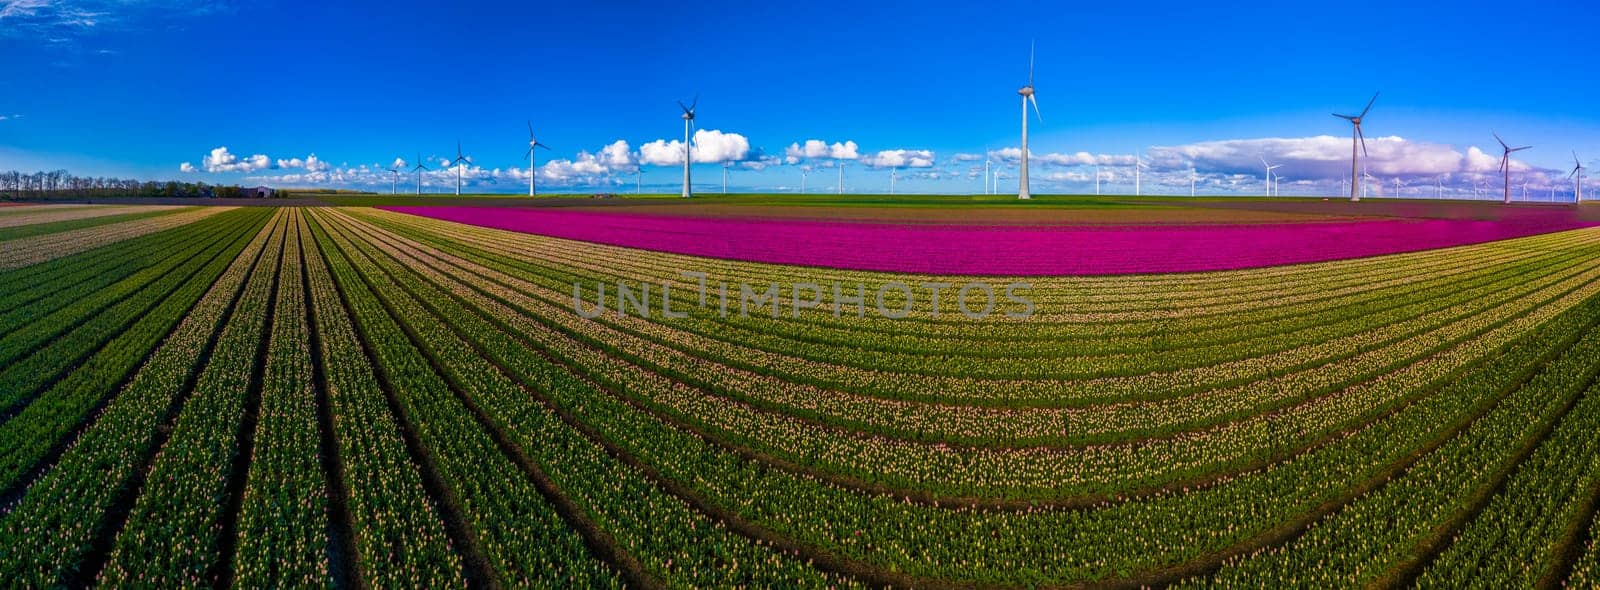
1027,97
533,168
1097,179
418,169
841,176
1577,171
1193,176
986,160
725,177
458,164
1355,137
1269,168
892,175
1138,166
688,121
394,179
803,172
1505,163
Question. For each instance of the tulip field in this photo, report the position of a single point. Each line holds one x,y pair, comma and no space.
415,396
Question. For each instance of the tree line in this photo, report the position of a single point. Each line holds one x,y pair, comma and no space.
60,183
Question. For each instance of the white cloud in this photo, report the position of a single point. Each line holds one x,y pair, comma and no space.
398,163
1011,155
711,146
220,160
21,8
1326,157
186,167
310,163
617,156
899,159
816,149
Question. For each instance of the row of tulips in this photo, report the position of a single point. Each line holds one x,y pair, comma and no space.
34,250
956,387
59,343
513,528
51,528
173,536
1387,532
1036,546
384,491
283,515
61,282
667,537
9,230
65,404
1101,468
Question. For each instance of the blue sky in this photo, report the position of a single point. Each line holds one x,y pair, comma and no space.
140,88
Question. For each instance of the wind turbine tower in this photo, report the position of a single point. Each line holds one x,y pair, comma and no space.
418,169
1027,97
1355,137
459,163
533,168
1577,171
688,122
1505,164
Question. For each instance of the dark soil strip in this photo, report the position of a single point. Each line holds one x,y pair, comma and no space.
9,497
238,474
599,542
1280,535
1405,574
476,569
342,561
117,516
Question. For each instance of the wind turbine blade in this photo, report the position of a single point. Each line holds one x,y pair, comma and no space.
1030,65
529,155
1036,112
1518,149
694,103
1363,137
1369,105
540,145
1350,118
1502,141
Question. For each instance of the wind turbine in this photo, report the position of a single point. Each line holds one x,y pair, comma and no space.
1357,137
1193,176
1399,187
638,187
457,163
892,174
1505,163
1577,171
1270,168
1438,188
1097,179
1369,180
841,176
725,177
418,169
394,179
532,164
803,172
986,172
1027,96
688,121
1138,165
